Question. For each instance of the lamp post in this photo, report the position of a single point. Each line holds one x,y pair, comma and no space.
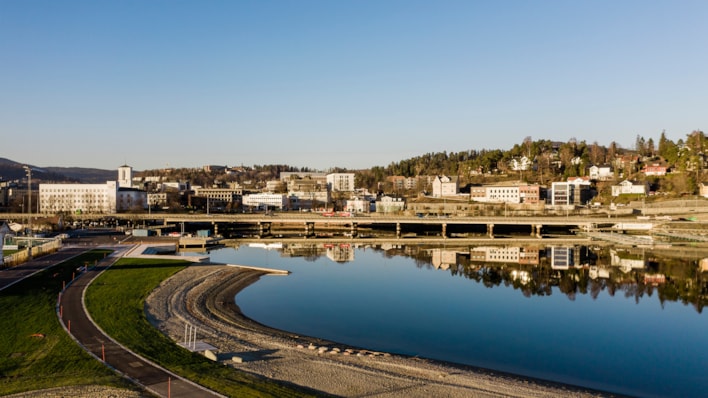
29,208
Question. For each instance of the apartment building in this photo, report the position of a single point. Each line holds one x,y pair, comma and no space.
80,198
444,186
266,201
341,182
515,194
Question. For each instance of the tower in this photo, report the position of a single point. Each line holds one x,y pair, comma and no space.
125,176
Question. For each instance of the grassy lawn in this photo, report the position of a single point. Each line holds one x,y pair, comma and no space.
35,351
116,300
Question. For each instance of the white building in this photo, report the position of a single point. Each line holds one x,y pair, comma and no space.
275,186
521,164
703,189
562,257
444,186
600,173
180,186
266,200
443,259
504,194
340,253
111,197
562,193
340,182
493,254
78,198
626,262
627,187
358,205
125,176
388,204
225,195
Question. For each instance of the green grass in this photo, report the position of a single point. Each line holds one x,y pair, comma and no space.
29,362
116,302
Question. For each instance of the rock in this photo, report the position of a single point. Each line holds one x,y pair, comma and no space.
210,355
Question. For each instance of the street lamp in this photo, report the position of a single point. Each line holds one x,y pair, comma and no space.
29,207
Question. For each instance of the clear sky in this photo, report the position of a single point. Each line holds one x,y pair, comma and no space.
341,83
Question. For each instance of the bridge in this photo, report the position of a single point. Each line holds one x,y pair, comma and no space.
308,222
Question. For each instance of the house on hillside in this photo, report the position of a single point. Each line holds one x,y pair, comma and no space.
703,189
600,173
444,186
388,204
654,169
628,187
521,164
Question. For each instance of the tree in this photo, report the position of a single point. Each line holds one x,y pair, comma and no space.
640,145
528,146
650,147
663,143
668,149
611,152
597,153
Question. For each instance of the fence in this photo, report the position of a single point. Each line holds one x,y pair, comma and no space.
39,250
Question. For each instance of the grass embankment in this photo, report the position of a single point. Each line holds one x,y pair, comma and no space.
116,302
35,351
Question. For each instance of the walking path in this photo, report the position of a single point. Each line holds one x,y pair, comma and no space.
82,328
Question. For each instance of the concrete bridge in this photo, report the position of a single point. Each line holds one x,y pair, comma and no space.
310,222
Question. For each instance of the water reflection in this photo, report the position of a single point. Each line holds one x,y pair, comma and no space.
674,276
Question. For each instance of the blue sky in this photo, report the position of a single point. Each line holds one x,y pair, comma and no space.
329,83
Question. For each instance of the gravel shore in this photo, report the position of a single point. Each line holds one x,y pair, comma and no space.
202,295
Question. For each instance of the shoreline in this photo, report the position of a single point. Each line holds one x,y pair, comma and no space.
203,296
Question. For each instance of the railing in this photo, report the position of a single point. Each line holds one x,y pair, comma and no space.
39,250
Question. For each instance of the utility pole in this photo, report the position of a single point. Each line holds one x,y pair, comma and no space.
29,208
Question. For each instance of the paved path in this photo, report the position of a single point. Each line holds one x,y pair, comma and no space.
10,276
81,327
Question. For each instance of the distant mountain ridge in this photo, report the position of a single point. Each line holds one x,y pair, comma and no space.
85,175
12,170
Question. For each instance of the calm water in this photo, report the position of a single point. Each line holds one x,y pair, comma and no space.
621,322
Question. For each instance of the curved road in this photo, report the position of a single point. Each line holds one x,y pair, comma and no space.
79,324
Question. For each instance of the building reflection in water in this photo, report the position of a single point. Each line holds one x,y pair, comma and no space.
672,275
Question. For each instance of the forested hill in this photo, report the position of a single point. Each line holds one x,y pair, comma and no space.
12,170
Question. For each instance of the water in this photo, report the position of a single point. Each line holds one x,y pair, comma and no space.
567,327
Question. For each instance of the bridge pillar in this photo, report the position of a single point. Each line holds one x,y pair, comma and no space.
398,230
490,230
354,230
309,229
263,229
539,227
444,230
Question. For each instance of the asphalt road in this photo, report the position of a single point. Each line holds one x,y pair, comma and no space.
152,377
10,276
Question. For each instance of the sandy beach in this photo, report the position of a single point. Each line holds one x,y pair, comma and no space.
202,296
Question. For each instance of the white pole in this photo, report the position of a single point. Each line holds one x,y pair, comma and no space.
191,336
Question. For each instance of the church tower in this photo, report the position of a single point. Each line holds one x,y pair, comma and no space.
125,176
